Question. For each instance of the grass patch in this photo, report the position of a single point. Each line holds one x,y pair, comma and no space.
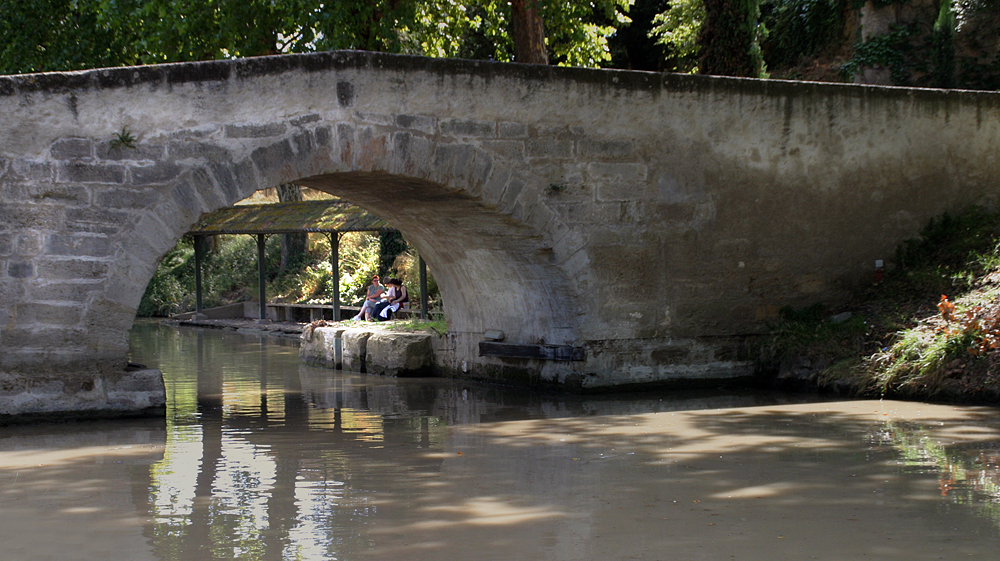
437,326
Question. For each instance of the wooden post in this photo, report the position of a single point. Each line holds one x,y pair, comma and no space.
261,238
199,250
335,271
423,288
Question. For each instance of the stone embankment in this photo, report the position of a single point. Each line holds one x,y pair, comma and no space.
372,350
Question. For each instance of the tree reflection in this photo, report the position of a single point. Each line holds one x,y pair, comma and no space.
270,460
968,475
249,477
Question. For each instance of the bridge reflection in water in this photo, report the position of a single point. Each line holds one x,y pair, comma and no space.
261,458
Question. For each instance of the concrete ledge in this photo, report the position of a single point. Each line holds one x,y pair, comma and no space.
238,310
368,350
131,393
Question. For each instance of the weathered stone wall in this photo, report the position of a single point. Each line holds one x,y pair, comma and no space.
654,220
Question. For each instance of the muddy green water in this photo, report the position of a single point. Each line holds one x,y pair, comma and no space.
261,458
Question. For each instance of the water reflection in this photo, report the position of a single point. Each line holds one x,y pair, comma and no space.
967,473
261,458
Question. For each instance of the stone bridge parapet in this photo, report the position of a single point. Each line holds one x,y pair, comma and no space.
655,221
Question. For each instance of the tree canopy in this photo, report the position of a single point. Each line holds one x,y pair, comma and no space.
937,43
51,35
952,43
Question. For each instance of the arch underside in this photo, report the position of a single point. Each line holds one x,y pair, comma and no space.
493,272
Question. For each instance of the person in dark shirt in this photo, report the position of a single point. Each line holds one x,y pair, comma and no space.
396,298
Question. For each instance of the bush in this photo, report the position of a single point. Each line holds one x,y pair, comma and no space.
163,296
799,29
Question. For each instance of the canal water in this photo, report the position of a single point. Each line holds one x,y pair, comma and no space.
262,458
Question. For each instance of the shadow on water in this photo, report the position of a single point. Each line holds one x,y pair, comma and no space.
263,458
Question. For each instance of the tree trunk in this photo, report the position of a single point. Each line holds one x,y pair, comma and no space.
293,246
727,39
528,32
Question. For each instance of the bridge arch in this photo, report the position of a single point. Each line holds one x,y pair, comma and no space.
457,204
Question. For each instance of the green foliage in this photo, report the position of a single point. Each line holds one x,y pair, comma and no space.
678,28
183,30
391,245
916,356
953,253
894,343
438,326
408,267
447,28
955,246
798,29
635,46
165,294
48,35
976,75
576,32
953,46
943,62
891,50
811,328
858,4
786,31
359,258
229,273
125,138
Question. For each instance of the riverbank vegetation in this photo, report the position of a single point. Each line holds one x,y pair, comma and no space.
229,273
930,329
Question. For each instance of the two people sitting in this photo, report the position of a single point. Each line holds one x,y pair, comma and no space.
394,297
382,301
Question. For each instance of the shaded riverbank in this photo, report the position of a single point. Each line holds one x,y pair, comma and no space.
929,329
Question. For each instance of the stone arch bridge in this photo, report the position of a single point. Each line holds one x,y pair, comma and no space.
649,222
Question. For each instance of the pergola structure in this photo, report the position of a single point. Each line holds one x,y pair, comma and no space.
330,217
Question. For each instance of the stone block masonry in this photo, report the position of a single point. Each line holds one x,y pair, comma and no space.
370,351
399,354
656,221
